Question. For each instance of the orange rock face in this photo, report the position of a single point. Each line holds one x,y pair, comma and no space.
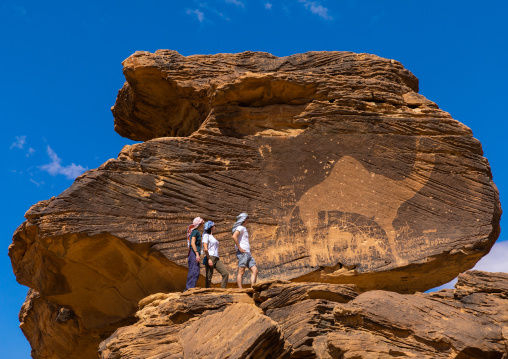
348,174
55,331
313,320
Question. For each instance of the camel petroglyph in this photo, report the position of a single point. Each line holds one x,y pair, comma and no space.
351,188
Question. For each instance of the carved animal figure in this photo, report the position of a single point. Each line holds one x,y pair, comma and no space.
351,188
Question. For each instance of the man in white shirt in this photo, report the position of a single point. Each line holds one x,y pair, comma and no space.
245,259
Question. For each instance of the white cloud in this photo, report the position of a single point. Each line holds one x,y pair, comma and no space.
55,166
316,9
19,143
30,152
495,261
38,184
200,15
236,2
268,6
224,17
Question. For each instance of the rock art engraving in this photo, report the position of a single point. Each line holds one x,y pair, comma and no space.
359,236
351,188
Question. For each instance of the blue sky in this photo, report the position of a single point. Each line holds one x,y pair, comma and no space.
61,70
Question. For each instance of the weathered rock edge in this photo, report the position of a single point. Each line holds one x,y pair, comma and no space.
167,94
280,319
270,134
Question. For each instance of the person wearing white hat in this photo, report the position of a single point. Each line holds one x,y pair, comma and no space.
245,259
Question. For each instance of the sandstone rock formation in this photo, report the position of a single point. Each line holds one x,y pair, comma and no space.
229,320
56,332
445,324
329,321
349,175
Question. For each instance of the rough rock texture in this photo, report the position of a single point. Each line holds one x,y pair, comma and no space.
99,280
198,324
349,175
56,332
218,323
468,322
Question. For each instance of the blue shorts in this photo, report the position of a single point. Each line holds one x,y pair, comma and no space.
245,259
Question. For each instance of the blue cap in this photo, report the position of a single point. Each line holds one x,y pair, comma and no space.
209,225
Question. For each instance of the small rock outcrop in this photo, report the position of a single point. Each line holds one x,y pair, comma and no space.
349,176
286,320
55,331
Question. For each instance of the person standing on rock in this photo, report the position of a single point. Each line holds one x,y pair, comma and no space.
211,247
245,259
194,257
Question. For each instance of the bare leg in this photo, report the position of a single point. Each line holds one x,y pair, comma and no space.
239,277
253,275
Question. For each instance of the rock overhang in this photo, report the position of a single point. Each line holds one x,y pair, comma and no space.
167,94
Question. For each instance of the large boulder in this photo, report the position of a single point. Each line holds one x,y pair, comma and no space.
348,174
198,324
468,322
330,321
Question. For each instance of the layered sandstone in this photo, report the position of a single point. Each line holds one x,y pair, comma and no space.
349,175
55,331
329,321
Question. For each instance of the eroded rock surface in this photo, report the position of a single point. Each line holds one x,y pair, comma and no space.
333,322
349,176
198,324
56,332
468,322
